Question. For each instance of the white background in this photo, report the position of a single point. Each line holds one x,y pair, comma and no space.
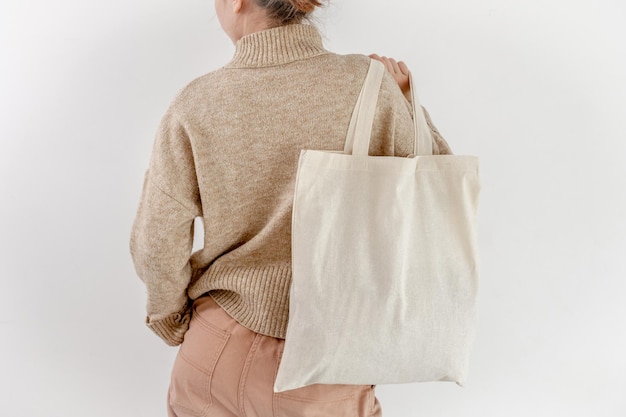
535,88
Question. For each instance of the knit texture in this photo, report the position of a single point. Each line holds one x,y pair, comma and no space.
227,150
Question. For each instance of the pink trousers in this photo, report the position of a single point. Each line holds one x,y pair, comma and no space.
226,370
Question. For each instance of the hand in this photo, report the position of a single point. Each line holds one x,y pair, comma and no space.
400,73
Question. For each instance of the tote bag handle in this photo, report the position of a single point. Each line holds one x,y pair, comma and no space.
360,128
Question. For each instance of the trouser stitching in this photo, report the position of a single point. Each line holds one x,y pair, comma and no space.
244,373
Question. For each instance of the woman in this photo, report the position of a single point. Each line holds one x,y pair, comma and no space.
227,150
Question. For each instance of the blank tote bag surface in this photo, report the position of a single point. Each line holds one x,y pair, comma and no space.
384,261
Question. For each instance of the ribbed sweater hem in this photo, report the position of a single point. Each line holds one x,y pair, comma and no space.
256,297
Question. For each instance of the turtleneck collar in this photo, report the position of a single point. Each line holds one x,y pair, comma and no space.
277,46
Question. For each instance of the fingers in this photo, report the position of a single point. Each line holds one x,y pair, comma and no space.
388,64
403,68
399,71
385,61
395,68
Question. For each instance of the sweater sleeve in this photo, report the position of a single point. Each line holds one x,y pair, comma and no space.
162,232
399,121
440,145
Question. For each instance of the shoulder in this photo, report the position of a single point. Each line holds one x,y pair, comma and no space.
350,67
357,65
354,61
198,90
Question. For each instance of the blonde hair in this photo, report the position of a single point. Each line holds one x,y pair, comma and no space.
284,12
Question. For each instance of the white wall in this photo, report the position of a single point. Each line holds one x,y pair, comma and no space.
535,88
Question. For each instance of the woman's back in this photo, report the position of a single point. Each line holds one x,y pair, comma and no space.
228,148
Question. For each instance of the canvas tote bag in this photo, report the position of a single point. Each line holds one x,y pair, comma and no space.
384,261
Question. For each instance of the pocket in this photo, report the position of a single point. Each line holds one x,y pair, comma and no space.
325,400
190,386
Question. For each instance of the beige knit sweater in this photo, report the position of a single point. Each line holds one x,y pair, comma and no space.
227,151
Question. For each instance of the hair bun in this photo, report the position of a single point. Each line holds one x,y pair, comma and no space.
305,6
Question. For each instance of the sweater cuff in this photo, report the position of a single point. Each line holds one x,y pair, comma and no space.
171,328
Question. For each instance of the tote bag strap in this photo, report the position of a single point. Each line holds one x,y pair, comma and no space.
360,128
423,142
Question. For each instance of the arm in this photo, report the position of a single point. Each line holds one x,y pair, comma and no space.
400,73
162,233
